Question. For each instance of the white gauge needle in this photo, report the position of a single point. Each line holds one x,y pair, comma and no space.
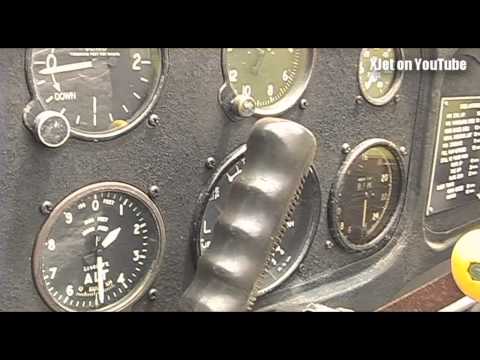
111,237
101,289
364,219
259,63
66,68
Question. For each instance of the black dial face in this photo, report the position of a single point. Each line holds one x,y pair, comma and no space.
103,92
98,249
274,77
367,196
301,229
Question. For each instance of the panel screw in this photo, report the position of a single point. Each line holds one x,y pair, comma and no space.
403,150
46,208
358,100
304,104
152,294
302,269
397,99
153,120
329,244
211,163
154,191
346,148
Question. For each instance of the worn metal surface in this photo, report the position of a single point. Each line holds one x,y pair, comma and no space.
172,156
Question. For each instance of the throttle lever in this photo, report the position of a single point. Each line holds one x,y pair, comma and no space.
253,221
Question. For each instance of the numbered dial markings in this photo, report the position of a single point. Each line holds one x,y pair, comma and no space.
98,251
102,91
300,232
367,197
378,86
274,77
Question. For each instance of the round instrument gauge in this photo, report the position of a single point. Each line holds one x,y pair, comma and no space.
366,200
274,77
379,84
99,250
301,229
103,92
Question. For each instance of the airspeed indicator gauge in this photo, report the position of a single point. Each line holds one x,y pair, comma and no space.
366,200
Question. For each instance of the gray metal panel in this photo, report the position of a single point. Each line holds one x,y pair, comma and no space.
192,128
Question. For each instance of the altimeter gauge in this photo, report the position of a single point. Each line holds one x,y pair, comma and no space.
273,79
99,249
103,92
366,200
379,84
301,228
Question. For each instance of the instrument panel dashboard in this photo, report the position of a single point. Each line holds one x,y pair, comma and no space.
87,132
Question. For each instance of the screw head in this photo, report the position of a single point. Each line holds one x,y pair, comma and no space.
397,98
152,294
153,120
211,163
302,269
304,104
329,244
358,100
346,148
46,208
244,106
154,191
403,150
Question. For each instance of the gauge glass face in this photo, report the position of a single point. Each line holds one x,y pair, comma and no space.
368,196
378,86
295,243
103,92
274,77
98,250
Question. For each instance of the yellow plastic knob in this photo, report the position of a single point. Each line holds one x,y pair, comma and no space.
465,263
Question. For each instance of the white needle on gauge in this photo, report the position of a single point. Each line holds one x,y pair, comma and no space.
259,63
111,237
101,289
66,68
94,106
364,219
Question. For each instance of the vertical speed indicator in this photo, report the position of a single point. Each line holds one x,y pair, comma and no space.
103,92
